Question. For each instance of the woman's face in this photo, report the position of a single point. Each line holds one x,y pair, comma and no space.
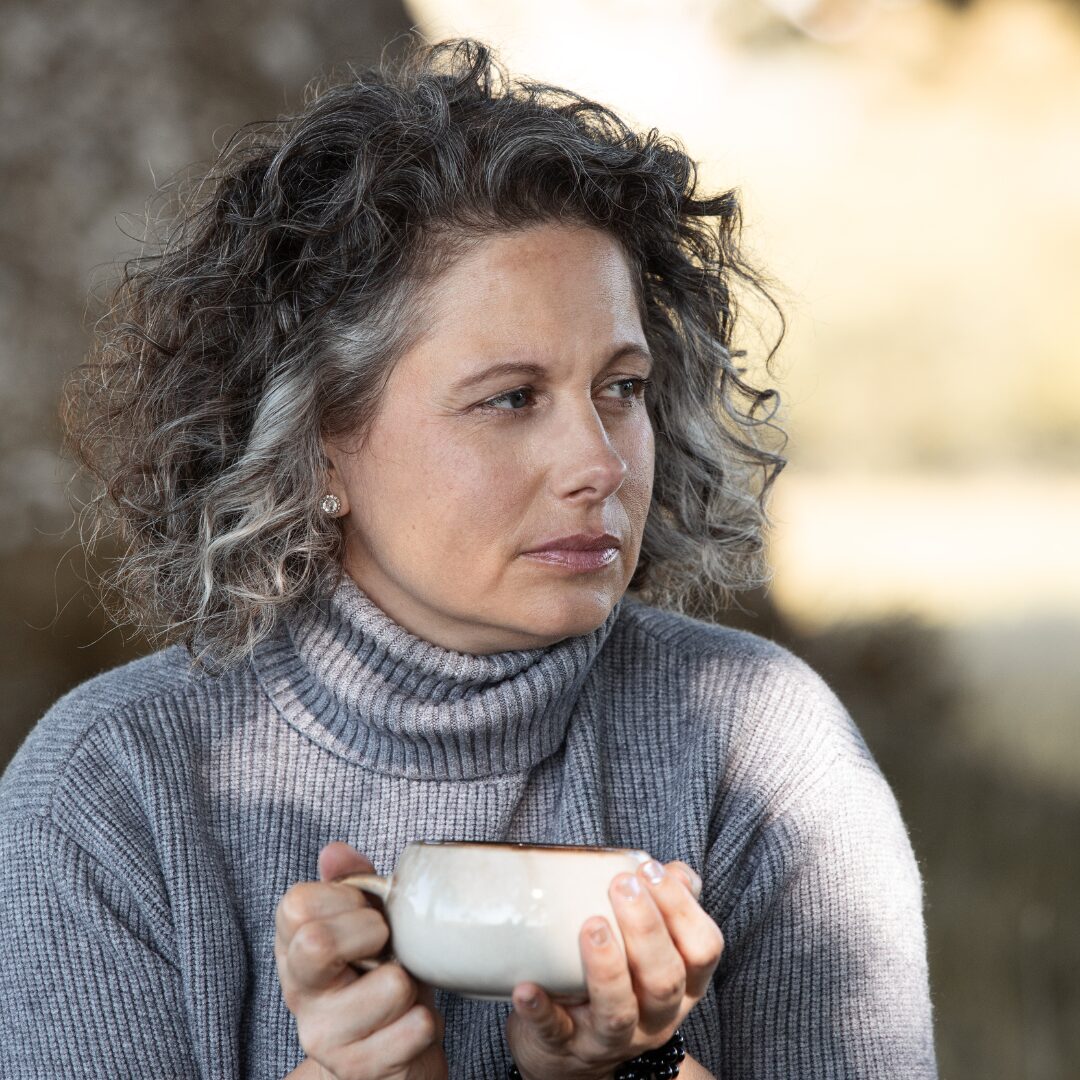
460,477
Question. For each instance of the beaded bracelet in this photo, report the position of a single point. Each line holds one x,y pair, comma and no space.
661,1063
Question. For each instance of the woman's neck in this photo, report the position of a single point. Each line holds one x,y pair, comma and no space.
358,683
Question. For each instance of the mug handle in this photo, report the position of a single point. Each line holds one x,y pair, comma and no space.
377,884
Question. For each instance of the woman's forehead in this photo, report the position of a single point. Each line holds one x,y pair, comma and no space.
550,280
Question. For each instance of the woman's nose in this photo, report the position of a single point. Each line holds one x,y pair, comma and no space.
584,459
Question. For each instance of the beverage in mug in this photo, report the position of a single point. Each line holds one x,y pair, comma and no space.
479,917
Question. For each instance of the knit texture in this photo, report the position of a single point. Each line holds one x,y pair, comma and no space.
153,817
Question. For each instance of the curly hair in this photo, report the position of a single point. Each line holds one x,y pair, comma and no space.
293,278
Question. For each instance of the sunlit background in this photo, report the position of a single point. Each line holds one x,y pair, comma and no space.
910,177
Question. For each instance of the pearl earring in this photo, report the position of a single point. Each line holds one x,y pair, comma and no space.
330,504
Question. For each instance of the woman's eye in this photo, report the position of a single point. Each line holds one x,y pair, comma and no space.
510,395
515,397
629,389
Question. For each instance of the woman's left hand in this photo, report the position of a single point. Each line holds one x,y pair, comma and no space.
635,1001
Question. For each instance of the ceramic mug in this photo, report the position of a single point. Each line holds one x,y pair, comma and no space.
479,917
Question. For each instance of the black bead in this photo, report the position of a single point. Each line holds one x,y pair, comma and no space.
661,1063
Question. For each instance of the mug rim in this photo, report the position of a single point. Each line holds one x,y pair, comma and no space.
519,846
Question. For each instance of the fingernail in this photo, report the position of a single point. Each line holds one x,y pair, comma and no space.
629,887
530,1001
598,934
653,871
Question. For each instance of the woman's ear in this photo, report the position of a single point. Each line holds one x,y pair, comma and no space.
332,482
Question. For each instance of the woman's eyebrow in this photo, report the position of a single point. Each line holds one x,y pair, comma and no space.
523,367
506,367
632,348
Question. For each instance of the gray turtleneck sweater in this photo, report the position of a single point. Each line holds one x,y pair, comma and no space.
152,819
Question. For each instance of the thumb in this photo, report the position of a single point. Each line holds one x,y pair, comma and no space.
338,858
688,874
548,1020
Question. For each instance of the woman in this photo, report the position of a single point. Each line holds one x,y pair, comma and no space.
416,434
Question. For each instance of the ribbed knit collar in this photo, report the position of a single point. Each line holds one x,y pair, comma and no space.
359,684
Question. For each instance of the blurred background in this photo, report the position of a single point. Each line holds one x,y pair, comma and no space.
910,176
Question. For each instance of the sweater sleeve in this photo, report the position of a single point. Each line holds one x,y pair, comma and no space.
86,991
824,974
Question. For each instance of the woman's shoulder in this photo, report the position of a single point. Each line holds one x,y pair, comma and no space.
722,649
54,744
755,694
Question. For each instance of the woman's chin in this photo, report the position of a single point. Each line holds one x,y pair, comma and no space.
562,612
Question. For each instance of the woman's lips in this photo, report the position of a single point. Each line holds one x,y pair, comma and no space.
575,560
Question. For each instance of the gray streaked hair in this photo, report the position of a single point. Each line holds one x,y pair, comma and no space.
294,277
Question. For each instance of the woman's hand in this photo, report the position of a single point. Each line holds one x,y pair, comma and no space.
635,1001
358,1026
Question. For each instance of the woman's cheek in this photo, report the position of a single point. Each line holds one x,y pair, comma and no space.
637,447
465,494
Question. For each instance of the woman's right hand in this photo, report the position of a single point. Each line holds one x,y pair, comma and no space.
353,1026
